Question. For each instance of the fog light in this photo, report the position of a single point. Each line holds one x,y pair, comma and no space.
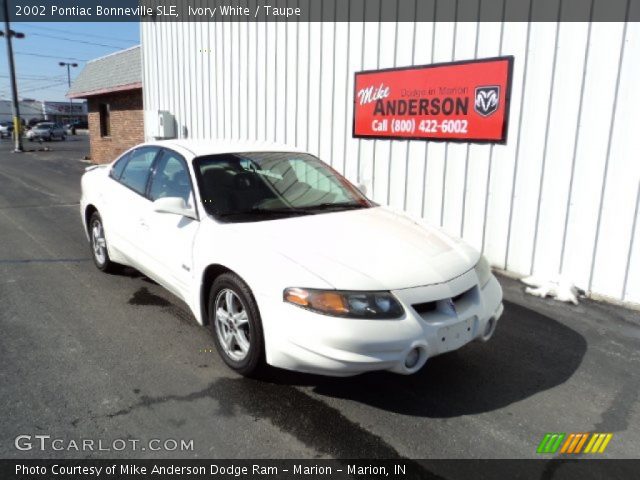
412,358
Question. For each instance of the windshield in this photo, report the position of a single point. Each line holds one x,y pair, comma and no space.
44,125
261,185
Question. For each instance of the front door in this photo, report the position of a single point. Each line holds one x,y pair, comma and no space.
170,236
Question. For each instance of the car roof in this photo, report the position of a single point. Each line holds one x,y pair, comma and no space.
213,147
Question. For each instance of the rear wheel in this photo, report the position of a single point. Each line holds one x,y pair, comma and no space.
235,322
98,242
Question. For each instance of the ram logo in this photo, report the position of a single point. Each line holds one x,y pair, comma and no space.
487,100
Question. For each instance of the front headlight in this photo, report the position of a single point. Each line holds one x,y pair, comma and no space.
483,270
374,305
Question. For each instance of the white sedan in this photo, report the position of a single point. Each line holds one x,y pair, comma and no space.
286,261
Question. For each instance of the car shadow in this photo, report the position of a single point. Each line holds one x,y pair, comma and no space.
529,353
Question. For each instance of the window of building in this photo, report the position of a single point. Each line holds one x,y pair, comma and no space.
105,120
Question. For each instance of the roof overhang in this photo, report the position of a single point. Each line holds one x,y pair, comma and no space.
103,91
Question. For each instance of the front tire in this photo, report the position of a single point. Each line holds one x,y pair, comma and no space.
236,326
98,241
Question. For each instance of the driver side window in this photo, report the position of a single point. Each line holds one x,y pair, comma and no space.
171,178
136,171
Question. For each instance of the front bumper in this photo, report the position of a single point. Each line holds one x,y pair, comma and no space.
297,339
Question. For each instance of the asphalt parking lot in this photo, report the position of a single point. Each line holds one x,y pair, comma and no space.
89,355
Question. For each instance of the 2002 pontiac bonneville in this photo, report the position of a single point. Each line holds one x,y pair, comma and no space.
288,262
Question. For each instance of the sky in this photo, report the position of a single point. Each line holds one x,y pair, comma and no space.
48,43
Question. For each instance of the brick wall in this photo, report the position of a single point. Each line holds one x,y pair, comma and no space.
127,124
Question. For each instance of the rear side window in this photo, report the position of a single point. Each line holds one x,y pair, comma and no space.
118,167
136,172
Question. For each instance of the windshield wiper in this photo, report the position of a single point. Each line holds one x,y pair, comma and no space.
341,206
265,211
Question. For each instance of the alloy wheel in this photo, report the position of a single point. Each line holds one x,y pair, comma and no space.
232,325
98,242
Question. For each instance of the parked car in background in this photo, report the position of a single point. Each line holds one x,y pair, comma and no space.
6,129
71,128
34,121
46,131
285,260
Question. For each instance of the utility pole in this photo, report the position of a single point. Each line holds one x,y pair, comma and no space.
69,65
17,125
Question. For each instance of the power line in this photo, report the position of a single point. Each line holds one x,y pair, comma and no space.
58,57
124,40
37,77
40,83
73,40
43,87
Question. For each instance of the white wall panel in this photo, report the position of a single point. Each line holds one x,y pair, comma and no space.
479,159
619,202
355,52
370,61
418,160
516,41
456,165
559,155
591,159
561,197
437,152
529,157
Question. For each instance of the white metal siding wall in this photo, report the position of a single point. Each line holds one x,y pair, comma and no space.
560,197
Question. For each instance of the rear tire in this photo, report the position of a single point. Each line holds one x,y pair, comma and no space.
236,326
98,242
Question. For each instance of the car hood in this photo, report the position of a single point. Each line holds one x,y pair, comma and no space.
368,249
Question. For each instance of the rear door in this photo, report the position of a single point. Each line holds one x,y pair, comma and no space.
128,203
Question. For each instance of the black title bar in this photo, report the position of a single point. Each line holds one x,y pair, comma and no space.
324,10
328,469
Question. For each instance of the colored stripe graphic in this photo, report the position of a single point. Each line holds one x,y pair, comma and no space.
598,443
574,443
550,442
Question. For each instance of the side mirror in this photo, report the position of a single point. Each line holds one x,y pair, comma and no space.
363,188
174,205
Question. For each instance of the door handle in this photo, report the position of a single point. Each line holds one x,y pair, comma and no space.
143,223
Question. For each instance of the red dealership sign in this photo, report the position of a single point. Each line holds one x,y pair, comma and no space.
464,101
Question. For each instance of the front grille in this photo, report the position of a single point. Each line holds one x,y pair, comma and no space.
424,308
462,302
